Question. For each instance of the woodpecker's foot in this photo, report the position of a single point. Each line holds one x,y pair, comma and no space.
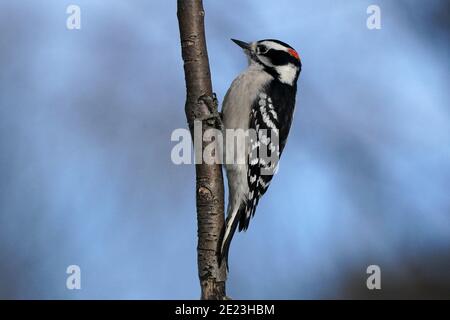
213,116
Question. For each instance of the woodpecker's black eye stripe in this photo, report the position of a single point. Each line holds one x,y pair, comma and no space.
279,58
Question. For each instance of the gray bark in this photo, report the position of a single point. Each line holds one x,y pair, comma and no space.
209,179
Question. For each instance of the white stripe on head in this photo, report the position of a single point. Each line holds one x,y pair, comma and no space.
274,45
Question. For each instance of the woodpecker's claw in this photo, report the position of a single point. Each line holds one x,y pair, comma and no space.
214,118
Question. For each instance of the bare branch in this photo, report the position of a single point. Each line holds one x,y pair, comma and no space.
209,186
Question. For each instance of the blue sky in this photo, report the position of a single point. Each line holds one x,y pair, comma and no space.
85,123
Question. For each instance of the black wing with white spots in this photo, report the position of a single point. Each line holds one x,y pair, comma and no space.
266,144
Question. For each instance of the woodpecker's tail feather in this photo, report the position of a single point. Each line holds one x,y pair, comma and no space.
245,216
228,232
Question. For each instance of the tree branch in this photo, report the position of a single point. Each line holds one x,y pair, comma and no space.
209,182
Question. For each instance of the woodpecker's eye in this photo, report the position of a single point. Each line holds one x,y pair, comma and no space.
261,49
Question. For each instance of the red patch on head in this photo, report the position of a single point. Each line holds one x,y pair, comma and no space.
294,53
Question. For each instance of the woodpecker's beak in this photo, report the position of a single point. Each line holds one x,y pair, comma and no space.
242,44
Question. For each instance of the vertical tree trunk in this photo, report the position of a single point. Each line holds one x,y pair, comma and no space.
209,186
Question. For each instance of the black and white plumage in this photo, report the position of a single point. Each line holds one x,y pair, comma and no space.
260,100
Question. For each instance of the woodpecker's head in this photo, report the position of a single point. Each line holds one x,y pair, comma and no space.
276,57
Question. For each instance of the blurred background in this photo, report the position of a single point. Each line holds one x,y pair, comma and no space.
86,176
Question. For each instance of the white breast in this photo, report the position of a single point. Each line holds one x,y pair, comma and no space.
236,114
240,96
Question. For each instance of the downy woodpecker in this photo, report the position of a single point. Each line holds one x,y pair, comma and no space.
262,99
